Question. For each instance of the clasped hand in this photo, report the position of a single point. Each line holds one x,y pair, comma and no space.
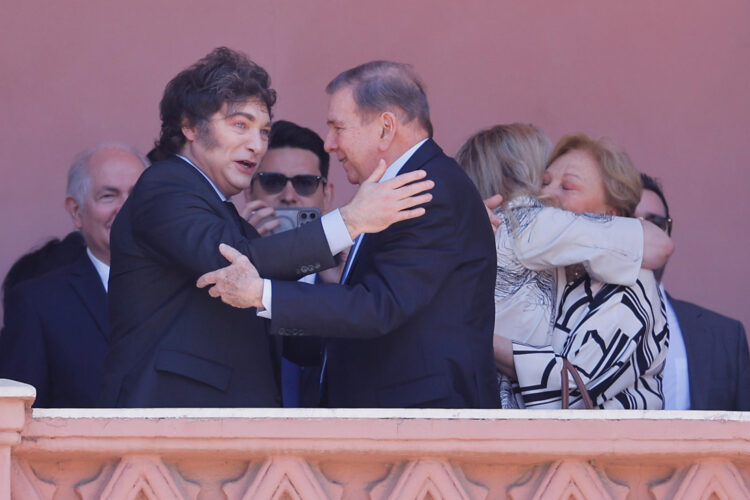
238,284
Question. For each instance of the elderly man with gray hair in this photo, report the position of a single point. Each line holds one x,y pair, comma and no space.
411,323
56,329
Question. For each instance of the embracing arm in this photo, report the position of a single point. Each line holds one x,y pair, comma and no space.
610,248
185,225
412,259
407,268
182,225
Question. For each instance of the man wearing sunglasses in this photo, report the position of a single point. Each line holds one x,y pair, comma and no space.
411,324
708,364
293,174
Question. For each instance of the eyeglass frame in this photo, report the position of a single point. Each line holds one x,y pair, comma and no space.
319,179
663,223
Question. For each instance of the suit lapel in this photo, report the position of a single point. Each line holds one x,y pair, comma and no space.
425,153
227,208
694,338
87,284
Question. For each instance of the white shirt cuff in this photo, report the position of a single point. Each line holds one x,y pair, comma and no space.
336,232
266,299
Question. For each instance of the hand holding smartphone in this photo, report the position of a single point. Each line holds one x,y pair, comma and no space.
290,218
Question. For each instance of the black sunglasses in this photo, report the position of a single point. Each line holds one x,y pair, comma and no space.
274,182
664,223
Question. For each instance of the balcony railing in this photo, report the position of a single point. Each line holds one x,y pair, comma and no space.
359,454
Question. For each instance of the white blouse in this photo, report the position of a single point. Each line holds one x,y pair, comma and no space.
533,245
532,301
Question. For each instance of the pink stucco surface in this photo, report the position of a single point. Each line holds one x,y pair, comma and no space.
355,454
669,80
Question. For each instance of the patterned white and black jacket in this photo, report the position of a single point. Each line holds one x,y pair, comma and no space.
615,334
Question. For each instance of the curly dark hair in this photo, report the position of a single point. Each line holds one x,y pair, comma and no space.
224,76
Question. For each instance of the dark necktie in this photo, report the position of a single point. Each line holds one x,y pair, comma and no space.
236,215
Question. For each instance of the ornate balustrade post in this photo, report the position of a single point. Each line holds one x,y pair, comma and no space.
15,404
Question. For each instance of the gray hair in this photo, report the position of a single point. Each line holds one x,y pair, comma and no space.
380,86
79,179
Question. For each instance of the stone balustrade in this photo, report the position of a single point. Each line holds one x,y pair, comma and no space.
286,454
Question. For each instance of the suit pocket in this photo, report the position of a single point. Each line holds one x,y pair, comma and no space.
195,368
425,392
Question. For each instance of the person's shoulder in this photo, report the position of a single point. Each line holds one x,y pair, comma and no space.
707,315
449,177
173,176
49,284
51,256
171,168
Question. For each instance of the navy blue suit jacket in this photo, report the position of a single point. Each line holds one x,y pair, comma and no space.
56,335
172,344
413,324
718,358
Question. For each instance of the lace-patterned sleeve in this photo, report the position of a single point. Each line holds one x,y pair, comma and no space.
610,248
615,336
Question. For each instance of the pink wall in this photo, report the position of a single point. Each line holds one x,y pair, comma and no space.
666,79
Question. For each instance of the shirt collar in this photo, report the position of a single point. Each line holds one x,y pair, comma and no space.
102,269
394,168
221,196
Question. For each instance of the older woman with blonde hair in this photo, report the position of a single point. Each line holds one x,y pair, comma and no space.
534,243
614,336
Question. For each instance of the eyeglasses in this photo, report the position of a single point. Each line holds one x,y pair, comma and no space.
274,182
664,223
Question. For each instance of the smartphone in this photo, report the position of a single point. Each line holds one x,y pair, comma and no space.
291,218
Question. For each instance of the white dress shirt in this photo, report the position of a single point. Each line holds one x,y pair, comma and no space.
675,380
102,269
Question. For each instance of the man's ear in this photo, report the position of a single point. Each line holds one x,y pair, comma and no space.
190,132
388,124
74,209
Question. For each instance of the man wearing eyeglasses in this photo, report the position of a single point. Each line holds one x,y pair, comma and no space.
708,364
293,174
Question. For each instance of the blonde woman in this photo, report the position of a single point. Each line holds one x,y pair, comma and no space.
615,336
535,242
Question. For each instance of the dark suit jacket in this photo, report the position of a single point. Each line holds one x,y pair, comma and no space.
718,358
414,322
172,344
56,335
